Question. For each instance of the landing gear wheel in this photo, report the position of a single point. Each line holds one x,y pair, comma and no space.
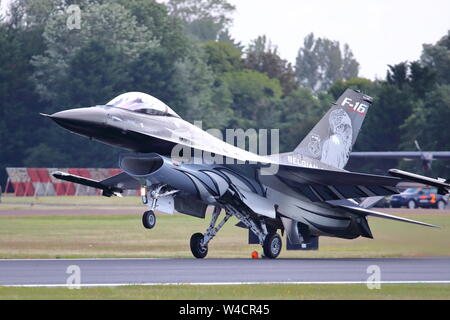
272,245
412,204
149,219
441,205
197,249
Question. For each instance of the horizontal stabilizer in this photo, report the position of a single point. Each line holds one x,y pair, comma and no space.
443,186
366,212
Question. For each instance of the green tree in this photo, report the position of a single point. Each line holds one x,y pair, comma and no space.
437,57
422,79
398,75
300,111
96,74
222,56
414,76
429,120
110,23
428,123
19,104
194,81
168,30
382,128
255,99
53,158
364,85
225,36
154,72
205,19
263,57
320,62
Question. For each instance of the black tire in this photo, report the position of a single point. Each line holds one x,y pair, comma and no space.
149,219
272,246
412,204
197,249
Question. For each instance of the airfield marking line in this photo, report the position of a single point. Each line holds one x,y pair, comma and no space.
92,285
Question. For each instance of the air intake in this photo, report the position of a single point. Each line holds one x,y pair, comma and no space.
141,166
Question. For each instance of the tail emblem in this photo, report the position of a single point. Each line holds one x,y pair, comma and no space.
314,146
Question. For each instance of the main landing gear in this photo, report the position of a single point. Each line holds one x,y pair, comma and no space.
199,242
270,241
272,246
198,248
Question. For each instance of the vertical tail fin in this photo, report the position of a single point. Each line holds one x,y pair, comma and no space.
332,139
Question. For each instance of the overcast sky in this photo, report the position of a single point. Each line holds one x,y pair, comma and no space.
380,32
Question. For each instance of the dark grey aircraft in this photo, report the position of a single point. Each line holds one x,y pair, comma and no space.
305,193
427,157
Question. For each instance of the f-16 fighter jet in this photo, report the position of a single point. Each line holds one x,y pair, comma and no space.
427,157
304,194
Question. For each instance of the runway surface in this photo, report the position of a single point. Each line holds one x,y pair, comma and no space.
115,272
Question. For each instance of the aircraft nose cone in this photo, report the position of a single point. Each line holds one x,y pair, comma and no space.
84,121
87,115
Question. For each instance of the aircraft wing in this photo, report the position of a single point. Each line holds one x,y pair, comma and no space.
400,155
320,185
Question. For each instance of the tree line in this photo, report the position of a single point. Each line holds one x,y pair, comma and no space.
182,52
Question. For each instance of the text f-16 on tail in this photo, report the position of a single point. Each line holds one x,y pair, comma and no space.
309,195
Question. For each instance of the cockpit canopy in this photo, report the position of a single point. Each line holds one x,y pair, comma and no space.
142,103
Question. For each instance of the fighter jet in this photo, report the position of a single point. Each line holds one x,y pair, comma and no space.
427,157
304,194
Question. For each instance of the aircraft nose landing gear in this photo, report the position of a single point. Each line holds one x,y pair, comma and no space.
159,195
149,219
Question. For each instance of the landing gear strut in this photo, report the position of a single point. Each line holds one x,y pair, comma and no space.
199,242
270,241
